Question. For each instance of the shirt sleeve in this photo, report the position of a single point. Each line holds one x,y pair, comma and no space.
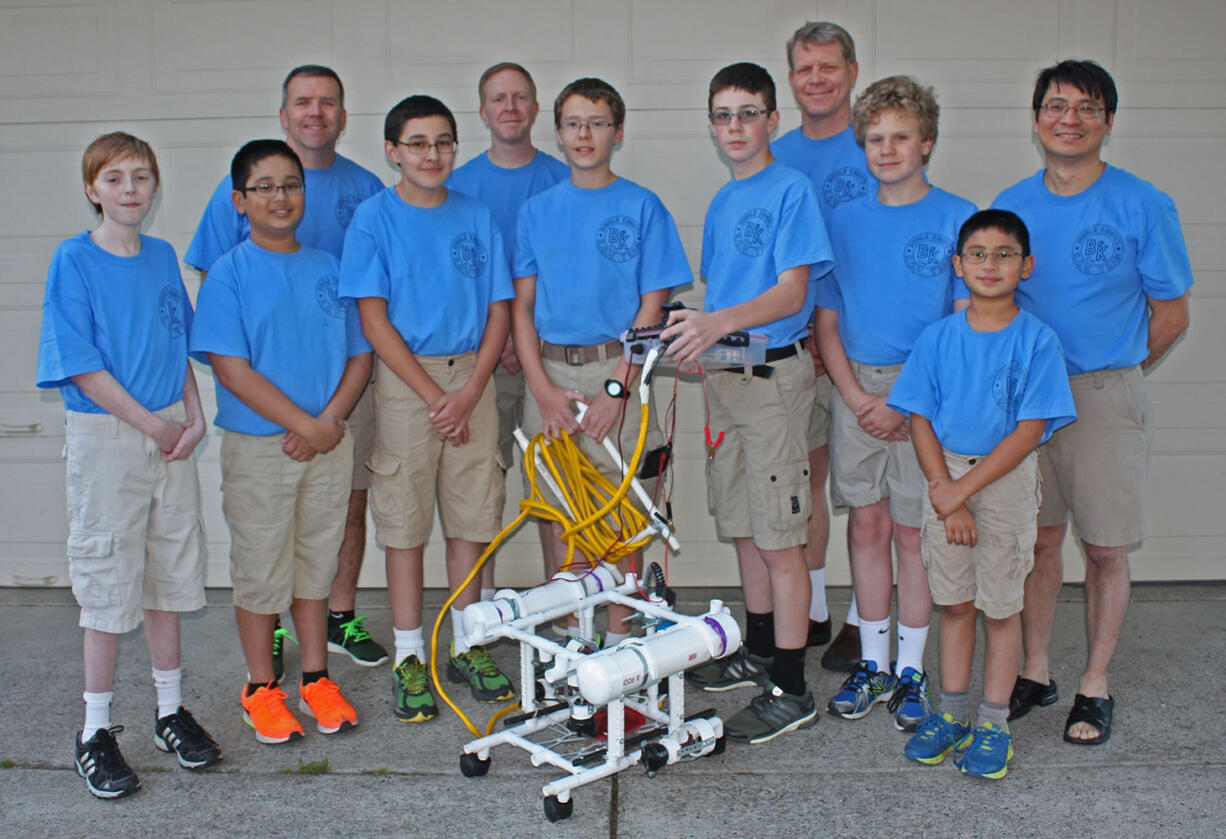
355,339
1166,271
218,327
663,263
220,229
66,344
363,269
501,287
1048,395
523,257
915,391
801,238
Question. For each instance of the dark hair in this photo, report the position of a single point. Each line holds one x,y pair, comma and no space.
743,76
415,107
111,148
1087,76
311,71
595,90
1006,222
252,153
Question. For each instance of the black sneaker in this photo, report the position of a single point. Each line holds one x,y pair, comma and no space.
819,633
350,637
770,714
101,764
742,669
180,733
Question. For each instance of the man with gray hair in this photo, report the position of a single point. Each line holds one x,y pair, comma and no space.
822,70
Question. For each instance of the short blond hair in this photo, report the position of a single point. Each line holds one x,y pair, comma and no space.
896,93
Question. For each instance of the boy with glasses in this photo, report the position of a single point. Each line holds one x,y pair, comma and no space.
427,267
764,248
290,362
893,276
982,388
594,256
1111,278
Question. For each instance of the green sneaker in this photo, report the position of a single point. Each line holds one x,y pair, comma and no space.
350,637
476,669
278,648
411,697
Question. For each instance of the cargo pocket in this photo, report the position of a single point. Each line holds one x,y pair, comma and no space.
788,501
384,489
932,537
95,579
1024,540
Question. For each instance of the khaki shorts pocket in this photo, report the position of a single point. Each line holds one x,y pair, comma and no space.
95,579
1024,550
384,491
788,499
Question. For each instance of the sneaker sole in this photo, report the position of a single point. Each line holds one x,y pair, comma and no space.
454,675
908,726
106,795
859,715
935,760
727,686
344,725
420,716
341,649
991,776
795,725
184,762
270,741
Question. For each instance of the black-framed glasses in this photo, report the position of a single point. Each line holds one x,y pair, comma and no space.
267,190
1001,256
745,115
416,146
1085,110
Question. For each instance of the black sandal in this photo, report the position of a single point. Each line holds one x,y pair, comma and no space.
1094,711
1028,693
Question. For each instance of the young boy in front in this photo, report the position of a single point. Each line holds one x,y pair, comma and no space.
764,248
983,388
290,363
892,277
427,267
114,341
594,255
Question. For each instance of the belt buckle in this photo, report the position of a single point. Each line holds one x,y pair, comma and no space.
574,356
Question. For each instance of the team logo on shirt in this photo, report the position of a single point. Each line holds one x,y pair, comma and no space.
1098,249
469,255
754,232
170,310
618,239
843,185
326,288
346,205
1007,386
928,254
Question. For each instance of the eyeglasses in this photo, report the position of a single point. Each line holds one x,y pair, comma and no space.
745,115
1085,110
572,126
424,146
267,190
978,256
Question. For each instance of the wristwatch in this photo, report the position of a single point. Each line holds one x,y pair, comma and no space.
616,389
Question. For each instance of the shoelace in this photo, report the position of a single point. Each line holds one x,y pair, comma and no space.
107,757
482,662
278,640
412,675
986,741
355,631
271,696
909,690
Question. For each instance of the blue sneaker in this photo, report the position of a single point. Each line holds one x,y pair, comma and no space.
935,738
910,703
987,753
861,691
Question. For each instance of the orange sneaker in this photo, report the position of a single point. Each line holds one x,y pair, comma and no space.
322,700
266,712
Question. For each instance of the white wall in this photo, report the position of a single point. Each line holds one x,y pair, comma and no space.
198,77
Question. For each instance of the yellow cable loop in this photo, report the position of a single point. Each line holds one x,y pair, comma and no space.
591,496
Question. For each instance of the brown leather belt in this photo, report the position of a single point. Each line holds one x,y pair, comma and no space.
577,356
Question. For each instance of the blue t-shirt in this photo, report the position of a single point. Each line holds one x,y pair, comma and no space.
439,268
128,315
281,312
756,228
595,252
332,195
504,190
835,165
893,272
1097,254
974,387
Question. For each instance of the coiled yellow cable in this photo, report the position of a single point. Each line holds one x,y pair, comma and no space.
591,531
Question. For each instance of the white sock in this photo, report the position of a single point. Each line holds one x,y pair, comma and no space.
911,641
612,639
409,642
459,638
853,616
488,593
169,686
817,600
97,713
875,643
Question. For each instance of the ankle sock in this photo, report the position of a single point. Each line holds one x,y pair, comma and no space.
853,614
911,641
957,704
409,642
998,715
252,687
488,593
875,642
97,713
760,633
459,638
612,639
788,672
169,687
818,610
309,676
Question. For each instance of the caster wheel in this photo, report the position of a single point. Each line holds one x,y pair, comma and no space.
472,766
538,691
655,757
556,810
721,743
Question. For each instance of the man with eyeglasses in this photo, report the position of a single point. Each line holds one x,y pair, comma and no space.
313,117
822,71
1111,277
